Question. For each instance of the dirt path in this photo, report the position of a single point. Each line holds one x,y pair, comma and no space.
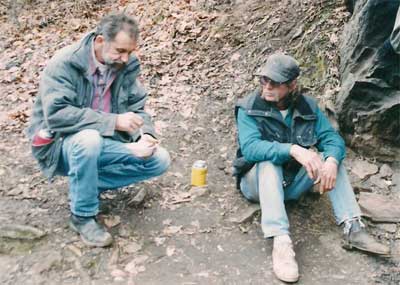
197,59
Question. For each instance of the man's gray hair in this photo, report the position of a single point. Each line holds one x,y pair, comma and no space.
112,24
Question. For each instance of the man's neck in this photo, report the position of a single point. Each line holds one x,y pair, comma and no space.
286,102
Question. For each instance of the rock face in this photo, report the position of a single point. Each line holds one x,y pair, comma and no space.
368,104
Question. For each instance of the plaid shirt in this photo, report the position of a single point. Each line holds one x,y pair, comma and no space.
102,78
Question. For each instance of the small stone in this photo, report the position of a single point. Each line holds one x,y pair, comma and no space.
139,198
132,247
125,231
378,181
170,250
380,208
385,171
21,232
246,214
221,165
396,182
159,240
391,228
395,252
363,169
196,192
397,235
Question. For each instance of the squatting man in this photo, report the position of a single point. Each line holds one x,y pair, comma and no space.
89,123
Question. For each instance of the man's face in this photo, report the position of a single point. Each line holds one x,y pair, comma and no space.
274,91
116,53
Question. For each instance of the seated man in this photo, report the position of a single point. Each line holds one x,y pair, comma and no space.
89,123
277,126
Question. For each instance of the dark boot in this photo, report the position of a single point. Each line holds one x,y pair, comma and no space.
91,232
355,236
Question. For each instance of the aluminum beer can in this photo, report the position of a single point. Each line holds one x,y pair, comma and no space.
199,173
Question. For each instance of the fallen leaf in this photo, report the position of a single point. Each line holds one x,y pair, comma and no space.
118,273
159,240
235,56
132,247
171,230
112,221
170,250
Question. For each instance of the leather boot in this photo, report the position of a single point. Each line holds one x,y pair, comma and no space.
356,237
91,232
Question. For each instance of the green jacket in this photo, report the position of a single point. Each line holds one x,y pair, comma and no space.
65,96
264,135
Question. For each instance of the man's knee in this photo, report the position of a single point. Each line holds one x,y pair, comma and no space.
162,161
264,174
87,142
268,169
270,177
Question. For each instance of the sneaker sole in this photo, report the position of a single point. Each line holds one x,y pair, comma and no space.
85,241
288,280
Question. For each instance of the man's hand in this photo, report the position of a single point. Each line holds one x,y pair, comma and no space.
128,122
142,148
149,139
310,160
328,176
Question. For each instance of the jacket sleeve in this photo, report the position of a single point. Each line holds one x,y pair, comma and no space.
330,143
137,100
61,107
253,148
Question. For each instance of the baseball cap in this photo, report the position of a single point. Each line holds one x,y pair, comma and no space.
280,68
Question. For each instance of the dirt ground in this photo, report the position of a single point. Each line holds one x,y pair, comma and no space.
198,57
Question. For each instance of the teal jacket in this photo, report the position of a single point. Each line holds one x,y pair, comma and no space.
264,135
65,96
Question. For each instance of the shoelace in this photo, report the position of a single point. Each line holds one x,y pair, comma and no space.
285,249
348,224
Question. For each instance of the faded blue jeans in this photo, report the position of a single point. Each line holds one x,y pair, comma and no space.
263,184
94,163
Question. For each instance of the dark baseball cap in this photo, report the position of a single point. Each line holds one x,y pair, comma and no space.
280,68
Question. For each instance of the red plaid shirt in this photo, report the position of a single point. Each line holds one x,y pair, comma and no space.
101,81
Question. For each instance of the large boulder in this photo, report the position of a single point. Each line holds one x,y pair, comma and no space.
368,104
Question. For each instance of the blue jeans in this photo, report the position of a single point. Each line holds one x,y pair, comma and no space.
94,164
263,184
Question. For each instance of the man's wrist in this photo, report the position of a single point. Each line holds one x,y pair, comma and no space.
292,150
332,159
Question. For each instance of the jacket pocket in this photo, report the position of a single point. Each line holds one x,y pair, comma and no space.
271,132
305,131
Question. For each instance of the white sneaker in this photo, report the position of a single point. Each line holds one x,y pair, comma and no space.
283,259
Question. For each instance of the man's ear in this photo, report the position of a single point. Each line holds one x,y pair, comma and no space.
293,85
99,39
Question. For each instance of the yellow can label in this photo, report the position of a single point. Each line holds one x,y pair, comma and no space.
199,176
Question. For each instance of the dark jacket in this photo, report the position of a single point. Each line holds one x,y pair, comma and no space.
65,96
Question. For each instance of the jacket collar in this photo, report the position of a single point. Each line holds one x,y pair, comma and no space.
81,56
